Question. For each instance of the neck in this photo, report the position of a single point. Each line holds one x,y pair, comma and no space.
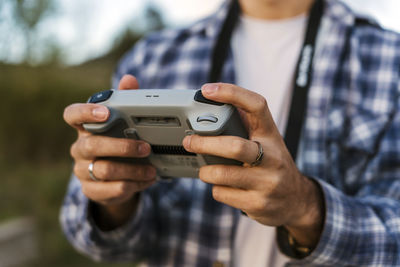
274,9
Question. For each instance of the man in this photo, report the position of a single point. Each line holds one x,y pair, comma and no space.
337,205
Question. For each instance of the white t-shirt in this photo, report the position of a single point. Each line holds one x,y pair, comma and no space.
265,54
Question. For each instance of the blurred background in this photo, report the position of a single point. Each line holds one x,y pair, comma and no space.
57,52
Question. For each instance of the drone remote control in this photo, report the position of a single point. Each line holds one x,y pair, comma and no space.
162,118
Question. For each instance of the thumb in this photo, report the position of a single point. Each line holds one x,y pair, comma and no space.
128,82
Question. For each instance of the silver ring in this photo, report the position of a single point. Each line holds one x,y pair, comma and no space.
260,155
90,169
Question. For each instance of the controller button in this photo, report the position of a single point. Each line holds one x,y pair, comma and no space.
200,98
207,119
100,96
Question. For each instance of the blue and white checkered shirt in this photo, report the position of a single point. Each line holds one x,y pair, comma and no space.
350,145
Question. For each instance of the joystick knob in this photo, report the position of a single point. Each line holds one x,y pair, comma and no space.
100,96
200,98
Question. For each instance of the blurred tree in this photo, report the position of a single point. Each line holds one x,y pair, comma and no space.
154,19
29,12
27,15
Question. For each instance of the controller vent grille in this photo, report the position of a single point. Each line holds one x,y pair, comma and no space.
170,150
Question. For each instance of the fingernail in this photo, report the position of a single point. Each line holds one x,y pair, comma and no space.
144,149
100,113
186,142
151,173
210,88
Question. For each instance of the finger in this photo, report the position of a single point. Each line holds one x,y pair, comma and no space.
251,202
231,176
77,114
239,97
234,197
128,82
252,103
112,191
107,170
93,146
231,147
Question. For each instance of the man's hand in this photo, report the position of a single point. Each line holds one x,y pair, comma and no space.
118,182
273,193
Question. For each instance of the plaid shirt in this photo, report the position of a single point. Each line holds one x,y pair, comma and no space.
350,145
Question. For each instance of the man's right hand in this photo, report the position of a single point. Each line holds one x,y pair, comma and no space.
119,182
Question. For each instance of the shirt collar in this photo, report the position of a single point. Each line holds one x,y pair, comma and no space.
339,12
211,26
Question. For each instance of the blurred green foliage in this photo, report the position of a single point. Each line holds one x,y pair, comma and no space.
33,100
34,97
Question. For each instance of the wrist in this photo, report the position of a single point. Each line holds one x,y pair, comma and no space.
110,217
306,229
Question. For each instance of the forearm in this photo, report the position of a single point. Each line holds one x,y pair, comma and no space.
307,230
120,244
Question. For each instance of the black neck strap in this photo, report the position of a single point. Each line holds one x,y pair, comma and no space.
302,78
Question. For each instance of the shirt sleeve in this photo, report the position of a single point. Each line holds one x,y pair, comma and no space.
359,231
129,242
363,228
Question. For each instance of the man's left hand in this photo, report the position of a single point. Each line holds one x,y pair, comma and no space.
274,192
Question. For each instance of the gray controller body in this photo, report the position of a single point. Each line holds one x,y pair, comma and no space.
162,118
